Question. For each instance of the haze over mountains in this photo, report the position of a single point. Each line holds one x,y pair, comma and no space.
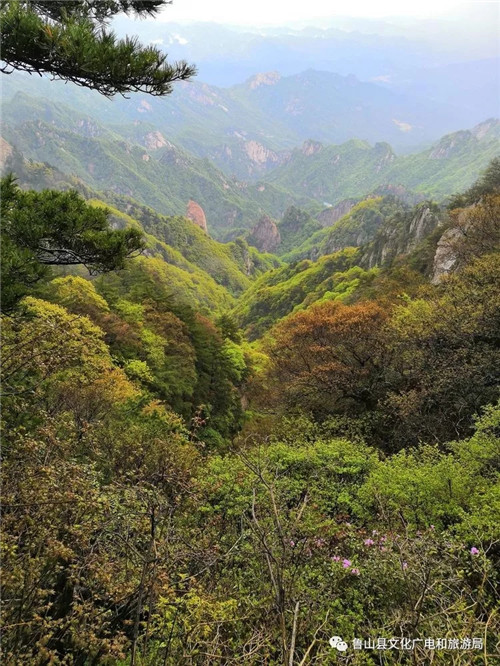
240,152
309,116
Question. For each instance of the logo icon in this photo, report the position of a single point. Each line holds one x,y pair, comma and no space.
337,642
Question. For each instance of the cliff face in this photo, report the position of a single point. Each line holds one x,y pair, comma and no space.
5,152
396,239
330,215
445,257
155,140
265,235
196,213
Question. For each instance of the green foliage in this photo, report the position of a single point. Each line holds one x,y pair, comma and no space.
295,227
357,228
339,172
295,286
49,228
70,41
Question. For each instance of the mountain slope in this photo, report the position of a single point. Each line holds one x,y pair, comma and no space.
333,173
161,175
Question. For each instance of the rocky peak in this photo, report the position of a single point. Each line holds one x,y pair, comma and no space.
265,235
264,79
490,126
155,140
196,214
311,147
330,215
449,144
260,154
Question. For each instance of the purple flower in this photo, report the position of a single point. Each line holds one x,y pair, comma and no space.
474,551
346,564
405,565
355,572
336,558
368,542
292,543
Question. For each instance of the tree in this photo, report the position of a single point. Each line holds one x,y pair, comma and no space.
70,41
49,228
330,358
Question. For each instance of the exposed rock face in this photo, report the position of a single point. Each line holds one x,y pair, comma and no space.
311,147
144,107
260,154
420,227
391,241
196,214
5,152
264,79
88,127
265,235
448,144
155,140
445,257
332,214
484,128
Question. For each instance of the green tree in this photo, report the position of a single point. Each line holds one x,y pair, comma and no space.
43,229
70,41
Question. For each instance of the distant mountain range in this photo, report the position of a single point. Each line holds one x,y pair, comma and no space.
126,147
248,129
333,173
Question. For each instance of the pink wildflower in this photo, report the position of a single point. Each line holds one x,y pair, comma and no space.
474,551
346,564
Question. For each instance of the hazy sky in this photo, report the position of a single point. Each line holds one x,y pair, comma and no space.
259,12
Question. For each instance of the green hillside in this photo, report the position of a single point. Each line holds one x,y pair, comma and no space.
333,173
165,179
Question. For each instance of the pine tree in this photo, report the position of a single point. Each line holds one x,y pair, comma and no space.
49,228
70,40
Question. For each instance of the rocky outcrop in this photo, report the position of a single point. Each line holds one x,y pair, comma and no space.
260,154
265,236
445,258
393,240
330,215
196,214
87,127
311,147
155,140
5,152
144,106
264,79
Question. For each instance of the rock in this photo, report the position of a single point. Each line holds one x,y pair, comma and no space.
196,214
155,140
265,235
260,154
445,257
311,147
264,79
5,152
330,215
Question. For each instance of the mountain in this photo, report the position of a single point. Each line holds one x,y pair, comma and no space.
333,173
156,173
196,269
248,129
